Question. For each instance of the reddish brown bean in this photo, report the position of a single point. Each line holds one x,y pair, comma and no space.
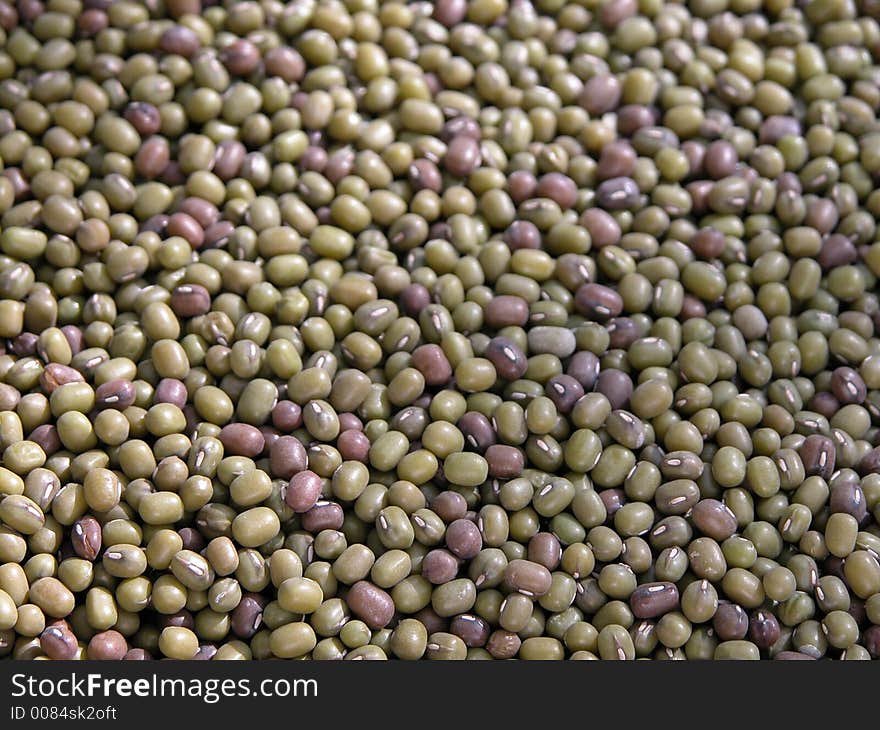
439,566
55,375
598,302
463,539
528,578
303,490
190,300
242,439
107,645
509,360
462,156
431,362
58,642
650,600
505,462
714,519
503,644
285,62
85,536
507,310
117,394
370,604
287,457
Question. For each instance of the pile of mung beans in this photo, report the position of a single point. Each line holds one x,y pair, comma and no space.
467,329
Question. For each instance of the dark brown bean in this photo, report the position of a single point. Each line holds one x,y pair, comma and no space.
601,94
425,175
730,622
522,234
285,62
241,57
91,22
117,394
617,159
623,332
509,360
180,40
848,386
413,299
182,619
818,455
58,642
204,213
439,566
85,536
721,159
286,415
152,158
584,367
616,386
247,616
287,457
714,519
431,362
185,226
144,117
463,539
603,228
138,655
242,439
471,629
564,391
503,644
303,490
797,656
55,375
545,549
449,506
598,302
837,250
650,600
107,645
633,117
506,310
370,604
323,516
775,127
617,193
849,498
477,431
521,185
47,437
528,578
462,156
505,462
228,159
764,629
559,188
190,300
824,403
353,446
170,390
192,539
450,12
822,215
613,499
707,243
